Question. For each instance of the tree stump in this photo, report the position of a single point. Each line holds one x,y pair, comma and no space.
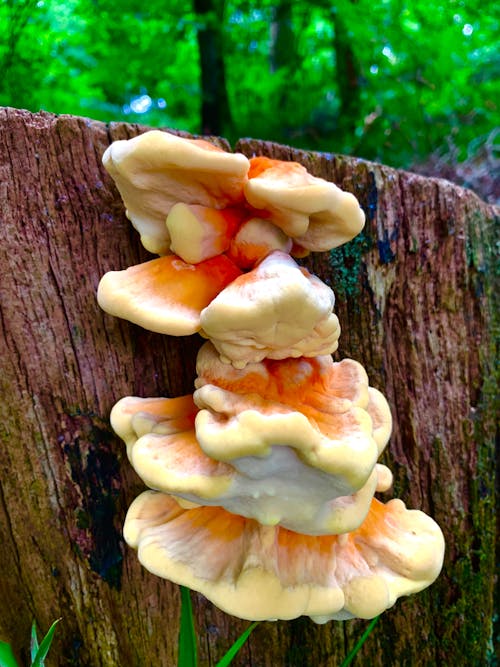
415,298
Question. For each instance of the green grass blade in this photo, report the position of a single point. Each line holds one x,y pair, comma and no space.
7,658
34,642
44,647
347,661
226,660
187,635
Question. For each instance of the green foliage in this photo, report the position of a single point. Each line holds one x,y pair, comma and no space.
187,634
357,646
420,76
228,658
187,638
7,658
38,651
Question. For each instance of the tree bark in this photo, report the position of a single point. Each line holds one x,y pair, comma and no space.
415,300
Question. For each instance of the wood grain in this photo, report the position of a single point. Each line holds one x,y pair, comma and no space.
415,298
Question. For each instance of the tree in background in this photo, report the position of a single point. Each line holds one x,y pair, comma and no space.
215,110
284,59
383,79
348,74
23,60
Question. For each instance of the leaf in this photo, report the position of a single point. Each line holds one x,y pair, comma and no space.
347,661
227,659
44,647
34,642
187,636
7,658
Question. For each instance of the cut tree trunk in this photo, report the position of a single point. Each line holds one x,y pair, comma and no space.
415,300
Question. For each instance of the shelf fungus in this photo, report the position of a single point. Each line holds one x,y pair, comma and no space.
317,214
133,417
263,480
266,572
165,295
275,311
286,452
156,170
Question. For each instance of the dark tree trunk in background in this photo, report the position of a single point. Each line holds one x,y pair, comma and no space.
347,74
414,297
282,36
215,109
284,63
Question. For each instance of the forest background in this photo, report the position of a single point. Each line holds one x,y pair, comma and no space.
410,84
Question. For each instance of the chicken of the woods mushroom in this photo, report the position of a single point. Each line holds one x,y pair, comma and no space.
263,480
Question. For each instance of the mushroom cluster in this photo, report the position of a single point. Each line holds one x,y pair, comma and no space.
263,480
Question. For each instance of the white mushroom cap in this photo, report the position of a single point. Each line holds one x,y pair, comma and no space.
275,311
156,170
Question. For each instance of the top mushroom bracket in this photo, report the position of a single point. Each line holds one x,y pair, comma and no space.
156,170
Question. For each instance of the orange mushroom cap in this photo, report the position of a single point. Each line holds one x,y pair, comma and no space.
265,573
256,239
279,488
165,295
316,386
324,411
133,417
198,233
316,214
156,170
